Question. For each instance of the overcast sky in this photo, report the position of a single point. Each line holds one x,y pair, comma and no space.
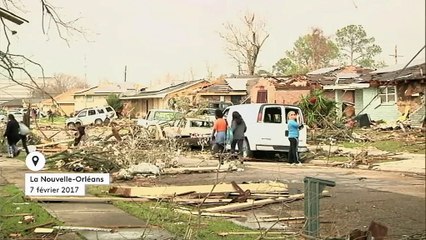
159,37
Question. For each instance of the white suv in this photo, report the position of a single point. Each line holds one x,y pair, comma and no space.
95,115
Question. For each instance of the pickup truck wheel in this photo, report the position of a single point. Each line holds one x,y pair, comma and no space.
98,122
247,153
70,125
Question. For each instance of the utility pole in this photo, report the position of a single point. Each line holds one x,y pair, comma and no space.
396,54
85,69
125,73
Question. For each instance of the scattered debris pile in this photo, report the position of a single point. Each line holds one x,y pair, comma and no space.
363,146
97,154
214,200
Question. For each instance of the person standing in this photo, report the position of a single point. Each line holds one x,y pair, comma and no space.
219,132
12,135
238,127
293,137
81,132
50,115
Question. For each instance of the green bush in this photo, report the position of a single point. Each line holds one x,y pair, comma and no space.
318,110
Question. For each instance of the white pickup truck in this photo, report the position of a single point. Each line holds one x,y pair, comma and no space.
158,116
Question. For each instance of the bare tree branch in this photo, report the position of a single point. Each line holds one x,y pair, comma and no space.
12,63
48,11
244,44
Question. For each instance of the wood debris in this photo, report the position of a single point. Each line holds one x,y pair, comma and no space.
224,234
43,230
169,191
242,206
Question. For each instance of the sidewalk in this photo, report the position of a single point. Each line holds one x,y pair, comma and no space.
407,162
101,215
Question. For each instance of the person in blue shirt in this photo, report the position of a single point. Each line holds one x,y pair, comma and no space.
293,137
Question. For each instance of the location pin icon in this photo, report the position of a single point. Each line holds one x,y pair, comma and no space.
35,160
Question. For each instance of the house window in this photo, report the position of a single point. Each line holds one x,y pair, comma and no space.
89,98
387,94
262,96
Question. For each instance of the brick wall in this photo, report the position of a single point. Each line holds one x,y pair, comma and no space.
262,84
290,96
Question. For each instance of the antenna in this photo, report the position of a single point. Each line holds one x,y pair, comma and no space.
125,73
85,68
396,54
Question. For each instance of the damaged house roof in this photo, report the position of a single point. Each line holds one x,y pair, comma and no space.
330,77
161,93
414,71
293,82
239,84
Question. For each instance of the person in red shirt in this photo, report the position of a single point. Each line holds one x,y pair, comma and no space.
219,132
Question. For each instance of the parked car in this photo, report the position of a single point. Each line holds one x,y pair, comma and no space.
94,115
158,116
267,128
191,130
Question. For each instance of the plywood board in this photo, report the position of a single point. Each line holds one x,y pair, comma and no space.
220,188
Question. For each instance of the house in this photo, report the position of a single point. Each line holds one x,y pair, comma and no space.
398,91
63,103
162,97
19,89
19,103
97,95
223,90
342,85
384,94
282,90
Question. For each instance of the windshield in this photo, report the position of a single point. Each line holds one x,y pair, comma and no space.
164,116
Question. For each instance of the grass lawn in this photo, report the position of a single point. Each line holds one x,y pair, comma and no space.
389,146
56,121
181,225
12,202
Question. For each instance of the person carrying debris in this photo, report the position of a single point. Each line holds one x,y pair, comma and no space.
219,132
81,132
23,132
12,135
293,137
238,127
